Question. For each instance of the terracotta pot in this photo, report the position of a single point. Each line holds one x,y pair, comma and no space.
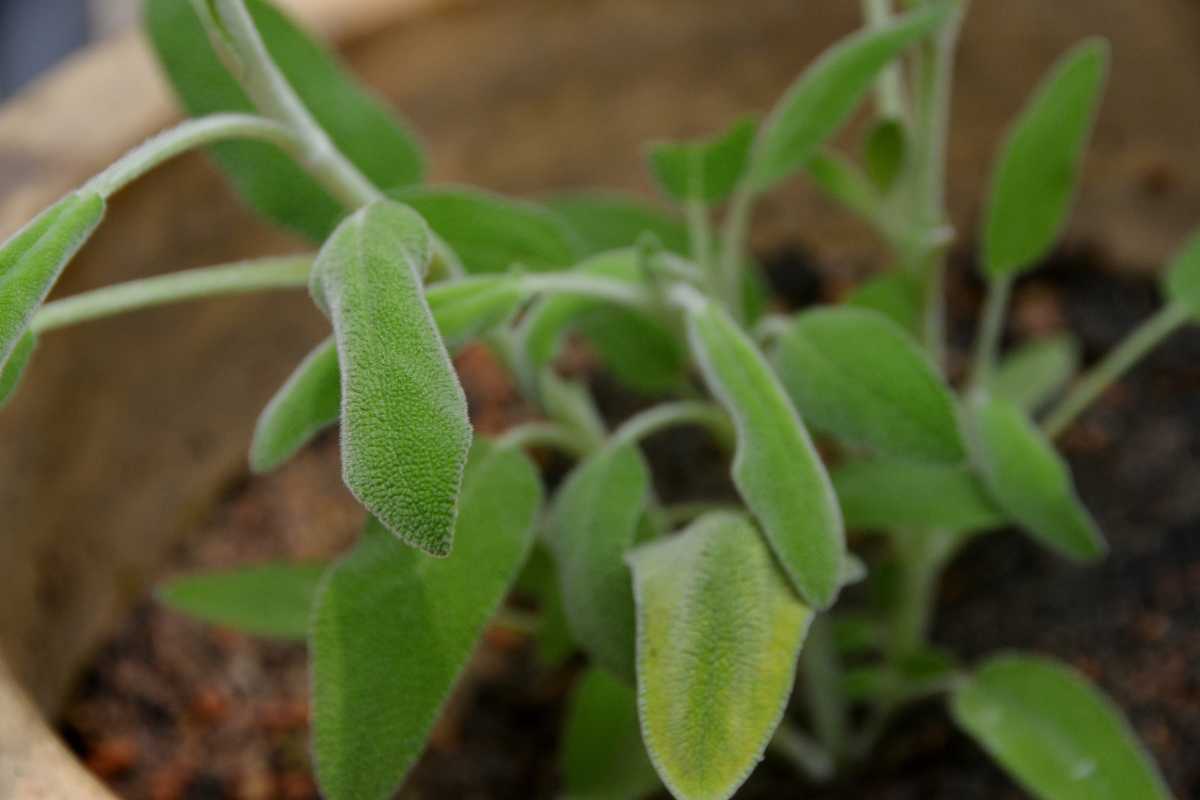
127,430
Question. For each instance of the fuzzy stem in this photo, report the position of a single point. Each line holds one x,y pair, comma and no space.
619,292
889,90
544,434
991,328
683,412
736,234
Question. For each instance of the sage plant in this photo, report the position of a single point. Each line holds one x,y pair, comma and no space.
698,620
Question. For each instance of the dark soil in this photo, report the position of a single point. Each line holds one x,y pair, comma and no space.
172,709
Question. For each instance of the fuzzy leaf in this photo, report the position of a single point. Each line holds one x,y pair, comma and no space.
1030,481
882,494
718,635
32,260
464,309
896,295
307,403
491,233
841,180
707,169
393,628
603,754
1034,180
1054,732
594,523
857,375
824,97
1181,281
405,432
361,126
267,600
776,468
13,369
1036,372
609,221
885,151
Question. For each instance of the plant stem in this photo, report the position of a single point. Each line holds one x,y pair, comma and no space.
991,328
921,562
286,272
1143,339
889,90
821,673
666,415
801,752
736,233
544,434
240,46
700,240
626,294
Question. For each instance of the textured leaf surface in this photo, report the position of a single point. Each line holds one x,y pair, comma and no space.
896,295
491,233
886,493
268,600
32,260
307,403
776,468
405,432
393,628
1034,373
1181,281
1030,481
706,169
603,754
1034,181
594,523
719,631
824,97
367,132
13,369
610,221
1053,731
466,308
856,374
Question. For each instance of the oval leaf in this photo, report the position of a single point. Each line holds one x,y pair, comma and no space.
594,523
825,96
885,153
1033,183
393,628
719,632
857,375
883,494
1181,283
32,260
706,170
267,600
1053,731
306,404
12,369
405,432
608,221
1033,374
895,295
1030,481
842,180
491,233
603,754
776,468
361,127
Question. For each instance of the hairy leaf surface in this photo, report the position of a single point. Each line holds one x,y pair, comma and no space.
405,432
594,523
307,403
603,754
706,169
856,374
719,631
1054,732
776,469
1030,481
1034,180
880,494
268,599
393,628
1033,374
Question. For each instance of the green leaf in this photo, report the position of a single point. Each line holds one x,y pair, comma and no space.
32,260
886,151
844,182
603,754
464,309
707,169
1030,481
570,402
608,221
896,295
719,632
539,581
824,97
594,523
1036,372
267,600
361,127
776,468
1034,180
491,233
405,432
393,629
1054,732
882,494
642,352
12,369
307,403
859,376
1181,281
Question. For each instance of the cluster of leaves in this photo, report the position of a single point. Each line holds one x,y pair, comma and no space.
696,620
